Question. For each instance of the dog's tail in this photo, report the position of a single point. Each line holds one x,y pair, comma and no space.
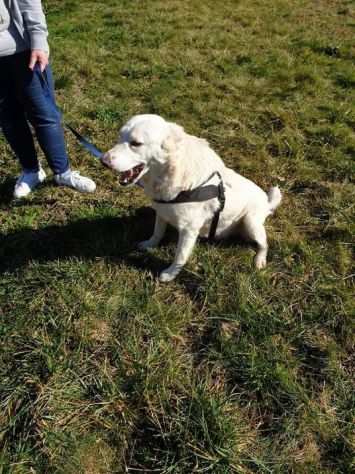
274,197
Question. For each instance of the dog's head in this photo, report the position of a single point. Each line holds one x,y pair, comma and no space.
144,141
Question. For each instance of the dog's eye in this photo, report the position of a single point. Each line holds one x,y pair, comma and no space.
135,143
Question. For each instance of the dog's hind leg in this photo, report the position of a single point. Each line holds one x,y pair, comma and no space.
186,243
253,229
158,234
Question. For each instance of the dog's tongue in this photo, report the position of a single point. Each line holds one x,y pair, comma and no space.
127,176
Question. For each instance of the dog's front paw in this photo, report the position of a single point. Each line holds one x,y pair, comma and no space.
168,275
260,262
146,244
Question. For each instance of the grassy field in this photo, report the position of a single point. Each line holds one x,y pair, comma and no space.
226,370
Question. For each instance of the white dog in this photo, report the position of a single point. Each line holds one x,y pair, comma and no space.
187,183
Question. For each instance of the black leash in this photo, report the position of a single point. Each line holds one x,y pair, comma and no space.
200,194
91,148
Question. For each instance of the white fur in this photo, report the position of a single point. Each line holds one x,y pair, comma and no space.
175,161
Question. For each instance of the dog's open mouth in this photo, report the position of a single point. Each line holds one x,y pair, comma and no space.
131,175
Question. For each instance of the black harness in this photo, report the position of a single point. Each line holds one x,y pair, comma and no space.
201,194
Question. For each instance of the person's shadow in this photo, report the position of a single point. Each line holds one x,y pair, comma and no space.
6,191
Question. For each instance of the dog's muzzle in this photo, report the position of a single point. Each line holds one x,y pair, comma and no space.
124,177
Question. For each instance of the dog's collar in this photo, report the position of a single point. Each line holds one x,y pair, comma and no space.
200,194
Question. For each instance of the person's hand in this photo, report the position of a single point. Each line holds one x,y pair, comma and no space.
38,56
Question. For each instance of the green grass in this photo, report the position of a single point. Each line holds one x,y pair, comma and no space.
226,370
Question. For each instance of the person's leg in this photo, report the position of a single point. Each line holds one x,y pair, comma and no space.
13,121
17,132
36,94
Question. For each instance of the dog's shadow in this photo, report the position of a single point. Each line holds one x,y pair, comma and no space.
112,238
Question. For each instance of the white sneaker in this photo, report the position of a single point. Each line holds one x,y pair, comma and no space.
73,179
26,182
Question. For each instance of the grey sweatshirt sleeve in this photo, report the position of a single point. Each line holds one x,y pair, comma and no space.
35,23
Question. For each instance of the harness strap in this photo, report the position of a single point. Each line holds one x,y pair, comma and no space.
200,194
222,202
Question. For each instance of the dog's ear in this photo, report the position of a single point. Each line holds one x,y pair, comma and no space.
174,138
175,173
